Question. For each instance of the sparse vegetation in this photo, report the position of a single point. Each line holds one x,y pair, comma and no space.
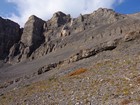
110,79
125,102
77,72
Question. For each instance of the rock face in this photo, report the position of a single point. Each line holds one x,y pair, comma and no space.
32,36
59,19
9,35
31,39
33,32
93,59
40,37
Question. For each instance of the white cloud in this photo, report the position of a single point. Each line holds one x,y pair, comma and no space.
45,8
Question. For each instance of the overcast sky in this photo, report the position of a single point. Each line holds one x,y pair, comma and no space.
20,10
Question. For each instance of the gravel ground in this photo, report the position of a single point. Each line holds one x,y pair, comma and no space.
106,82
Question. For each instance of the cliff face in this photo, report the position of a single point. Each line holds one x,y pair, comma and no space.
66,56
41,37
9,35
63,40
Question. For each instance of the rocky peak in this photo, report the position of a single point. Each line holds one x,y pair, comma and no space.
32,37
32,33
107,13
59,15
104,10
100,17
33,17
59,18
41,37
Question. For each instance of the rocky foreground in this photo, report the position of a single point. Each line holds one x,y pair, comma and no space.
90,60
107,82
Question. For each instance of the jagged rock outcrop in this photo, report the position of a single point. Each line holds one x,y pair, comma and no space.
41,37
53,33
59,19
31,39
10,34
61,26
32,34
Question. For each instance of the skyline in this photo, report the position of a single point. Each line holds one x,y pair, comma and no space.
19,11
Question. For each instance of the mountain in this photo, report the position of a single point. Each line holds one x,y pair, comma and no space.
92,59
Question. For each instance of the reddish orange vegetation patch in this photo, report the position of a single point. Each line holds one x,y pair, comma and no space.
125,102
77,72
138,80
